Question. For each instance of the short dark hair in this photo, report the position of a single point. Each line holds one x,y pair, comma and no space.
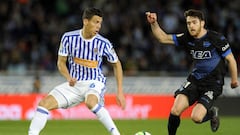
196,13
90,12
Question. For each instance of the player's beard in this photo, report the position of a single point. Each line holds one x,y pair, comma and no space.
195,33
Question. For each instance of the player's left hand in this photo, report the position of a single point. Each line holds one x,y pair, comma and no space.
121,100
234,84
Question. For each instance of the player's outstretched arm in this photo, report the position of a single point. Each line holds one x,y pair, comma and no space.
157,31
118,72
232,66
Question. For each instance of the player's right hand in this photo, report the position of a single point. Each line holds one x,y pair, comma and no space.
151,17
72,81
234,84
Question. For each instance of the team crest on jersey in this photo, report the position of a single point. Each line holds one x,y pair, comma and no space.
206,43
95,50
222,38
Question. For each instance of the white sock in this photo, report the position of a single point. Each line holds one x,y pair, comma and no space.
105,118
39,121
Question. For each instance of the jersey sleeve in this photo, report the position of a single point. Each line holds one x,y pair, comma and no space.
179,39
110,53
63,47
223,47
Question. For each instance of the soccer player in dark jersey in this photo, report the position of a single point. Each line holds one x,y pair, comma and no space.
209,51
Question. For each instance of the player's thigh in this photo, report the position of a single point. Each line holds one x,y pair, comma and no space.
95,93
180,104
49,102
67,96
190,90
185,96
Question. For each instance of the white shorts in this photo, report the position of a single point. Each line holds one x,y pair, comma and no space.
68,96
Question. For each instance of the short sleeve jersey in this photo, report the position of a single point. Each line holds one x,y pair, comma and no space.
208,55
85,56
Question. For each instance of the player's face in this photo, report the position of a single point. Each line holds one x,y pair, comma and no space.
194,25
93,25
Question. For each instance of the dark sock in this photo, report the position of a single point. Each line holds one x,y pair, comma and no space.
207,117
173,124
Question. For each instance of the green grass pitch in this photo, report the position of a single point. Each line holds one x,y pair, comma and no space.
228,126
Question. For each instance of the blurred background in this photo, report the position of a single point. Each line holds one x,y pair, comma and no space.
31,31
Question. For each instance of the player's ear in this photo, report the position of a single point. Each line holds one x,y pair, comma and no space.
203,23
85,21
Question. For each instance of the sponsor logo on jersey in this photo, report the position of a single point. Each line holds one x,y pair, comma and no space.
86,63
225,47
201,54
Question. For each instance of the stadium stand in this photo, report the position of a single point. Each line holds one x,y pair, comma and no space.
31,30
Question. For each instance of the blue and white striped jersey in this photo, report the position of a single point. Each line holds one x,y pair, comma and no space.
85,55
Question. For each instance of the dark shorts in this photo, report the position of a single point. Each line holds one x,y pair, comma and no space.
203,94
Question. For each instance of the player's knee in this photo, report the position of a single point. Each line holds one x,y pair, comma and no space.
91,101
175,111
90,104
49,103
44,103
196,118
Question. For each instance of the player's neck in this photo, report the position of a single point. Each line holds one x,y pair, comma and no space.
202,33
86,35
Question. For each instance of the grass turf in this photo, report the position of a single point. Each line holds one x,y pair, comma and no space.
228,126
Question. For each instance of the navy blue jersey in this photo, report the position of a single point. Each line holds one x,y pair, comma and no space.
208,55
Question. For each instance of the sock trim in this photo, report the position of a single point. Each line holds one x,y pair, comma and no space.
42,110
96,108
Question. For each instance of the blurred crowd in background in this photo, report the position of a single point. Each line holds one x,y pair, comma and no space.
31,31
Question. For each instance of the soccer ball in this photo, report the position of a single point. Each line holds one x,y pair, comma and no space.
142,133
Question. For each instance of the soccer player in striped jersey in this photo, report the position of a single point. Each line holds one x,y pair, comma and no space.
80,58
209,51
